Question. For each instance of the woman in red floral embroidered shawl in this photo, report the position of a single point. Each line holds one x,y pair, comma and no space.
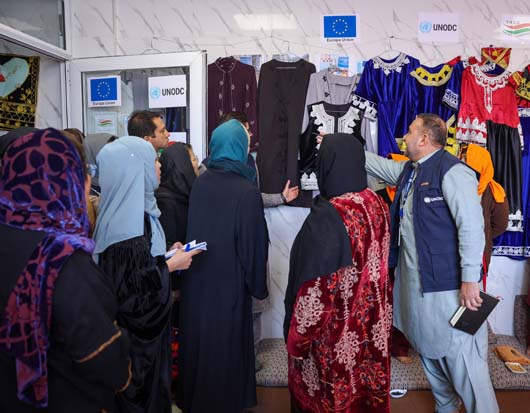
338,300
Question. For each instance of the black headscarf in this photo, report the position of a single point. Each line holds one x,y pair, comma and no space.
10,137
174,190
340,165
178,175
323,246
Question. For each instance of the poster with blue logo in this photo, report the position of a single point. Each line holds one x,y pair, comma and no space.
340,28
167,91
104,91
438,27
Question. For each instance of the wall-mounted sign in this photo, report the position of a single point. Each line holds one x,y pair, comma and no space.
177,137
104,91
339,28
516,27
167,91
438,27
106,122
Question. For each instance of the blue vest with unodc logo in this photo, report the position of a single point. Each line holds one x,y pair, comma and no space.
435,231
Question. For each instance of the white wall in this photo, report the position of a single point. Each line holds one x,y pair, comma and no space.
105,27
119,27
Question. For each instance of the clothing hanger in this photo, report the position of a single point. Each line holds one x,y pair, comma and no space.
390,53
220,59
289,54
151,49
335,70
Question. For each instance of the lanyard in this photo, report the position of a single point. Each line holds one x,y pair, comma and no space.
406,191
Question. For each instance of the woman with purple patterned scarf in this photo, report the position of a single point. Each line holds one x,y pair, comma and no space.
60,350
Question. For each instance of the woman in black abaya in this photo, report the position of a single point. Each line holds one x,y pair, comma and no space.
216,357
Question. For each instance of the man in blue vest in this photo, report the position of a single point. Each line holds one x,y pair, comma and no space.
436,246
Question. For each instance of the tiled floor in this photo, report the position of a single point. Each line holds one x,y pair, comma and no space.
276,400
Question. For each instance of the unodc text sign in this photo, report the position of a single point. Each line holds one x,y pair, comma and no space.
167,91
438,27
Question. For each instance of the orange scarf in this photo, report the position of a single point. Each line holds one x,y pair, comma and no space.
391,190
480,160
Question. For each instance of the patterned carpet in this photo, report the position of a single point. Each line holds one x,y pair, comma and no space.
273,356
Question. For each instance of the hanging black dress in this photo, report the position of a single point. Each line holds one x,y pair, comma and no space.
282,92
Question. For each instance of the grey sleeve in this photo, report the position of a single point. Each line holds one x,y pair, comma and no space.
384,169
459,188
311,98
271,200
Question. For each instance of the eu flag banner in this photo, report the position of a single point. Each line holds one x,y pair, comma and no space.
104,91
338,28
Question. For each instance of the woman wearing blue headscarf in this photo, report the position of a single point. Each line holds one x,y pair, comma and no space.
130,247
216,357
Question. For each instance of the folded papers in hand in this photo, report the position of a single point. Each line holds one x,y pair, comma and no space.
190,246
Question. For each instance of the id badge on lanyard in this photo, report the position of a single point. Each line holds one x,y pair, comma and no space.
404,196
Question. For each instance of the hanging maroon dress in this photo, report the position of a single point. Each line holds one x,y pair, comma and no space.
338,341
232,87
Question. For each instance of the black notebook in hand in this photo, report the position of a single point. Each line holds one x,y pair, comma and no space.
470,321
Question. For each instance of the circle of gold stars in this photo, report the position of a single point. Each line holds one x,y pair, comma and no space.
107,91
340,32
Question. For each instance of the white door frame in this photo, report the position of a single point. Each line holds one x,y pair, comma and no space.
196,61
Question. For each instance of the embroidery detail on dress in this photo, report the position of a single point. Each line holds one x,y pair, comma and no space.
451,99
386,243
310,375
471,131
326,122
348,279
381,330
368,106
348,121
486,67
426,78
387,67
309,308
523,88
489,83
506,250
515,222
346,349
355,197
373,262
524,112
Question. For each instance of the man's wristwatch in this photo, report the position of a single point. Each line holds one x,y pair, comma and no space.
284,199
